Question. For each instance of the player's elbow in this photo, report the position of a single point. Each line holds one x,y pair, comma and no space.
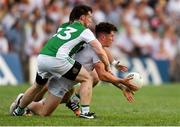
102,76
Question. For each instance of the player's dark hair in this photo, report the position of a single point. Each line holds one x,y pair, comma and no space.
104,27
78,11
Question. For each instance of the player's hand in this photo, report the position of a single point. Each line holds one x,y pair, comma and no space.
127,82
121,68
129,95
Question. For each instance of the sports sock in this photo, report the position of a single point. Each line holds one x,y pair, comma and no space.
19,110
77,95
84,109
75,98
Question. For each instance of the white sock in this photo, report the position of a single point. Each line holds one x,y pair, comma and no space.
85,109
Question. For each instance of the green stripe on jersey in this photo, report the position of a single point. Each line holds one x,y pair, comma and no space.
66,32
71,61
76,48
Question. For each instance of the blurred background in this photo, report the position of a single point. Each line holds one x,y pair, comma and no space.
147,41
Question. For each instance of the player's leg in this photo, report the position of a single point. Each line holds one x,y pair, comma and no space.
81,75
86,86
41,93
28,97
85,93
72,105
95,78
46,107
57,88
67,96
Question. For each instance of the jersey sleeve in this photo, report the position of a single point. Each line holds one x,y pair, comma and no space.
87,35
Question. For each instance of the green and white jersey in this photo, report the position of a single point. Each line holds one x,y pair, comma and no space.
68,39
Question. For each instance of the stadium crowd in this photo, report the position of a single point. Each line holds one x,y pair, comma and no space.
148,28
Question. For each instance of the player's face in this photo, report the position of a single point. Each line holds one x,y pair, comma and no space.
88,19
109,38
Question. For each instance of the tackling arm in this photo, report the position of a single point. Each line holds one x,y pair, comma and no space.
97,47
110,57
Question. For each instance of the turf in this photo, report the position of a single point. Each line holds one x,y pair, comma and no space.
154,105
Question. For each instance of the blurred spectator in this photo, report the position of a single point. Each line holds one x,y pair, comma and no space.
3,10
162,53
4,47
173,8
124,41
66,12
10,18
155,42
98,14
33,44
54,11
143,42
14,37
112,12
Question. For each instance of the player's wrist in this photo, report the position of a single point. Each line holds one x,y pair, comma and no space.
115,63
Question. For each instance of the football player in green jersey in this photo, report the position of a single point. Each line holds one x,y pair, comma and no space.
54,60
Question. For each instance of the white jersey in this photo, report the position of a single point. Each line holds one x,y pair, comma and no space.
87,57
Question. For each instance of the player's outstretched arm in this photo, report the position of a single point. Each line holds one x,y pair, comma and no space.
106,76
109,77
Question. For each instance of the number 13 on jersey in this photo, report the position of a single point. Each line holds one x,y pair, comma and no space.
67,33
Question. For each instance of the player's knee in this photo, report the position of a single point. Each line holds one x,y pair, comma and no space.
87,78
45,114
40,81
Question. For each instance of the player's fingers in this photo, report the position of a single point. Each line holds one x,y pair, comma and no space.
125,68
130,98
129,78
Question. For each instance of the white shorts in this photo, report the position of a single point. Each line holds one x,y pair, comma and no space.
51,66
59,86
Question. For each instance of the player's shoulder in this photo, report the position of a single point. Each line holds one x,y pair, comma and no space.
64,25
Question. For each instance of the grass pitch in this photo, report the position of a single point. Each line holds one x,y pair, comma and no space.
153,106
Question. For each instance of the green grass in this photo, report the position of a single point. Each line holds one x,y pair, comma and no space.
153,106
